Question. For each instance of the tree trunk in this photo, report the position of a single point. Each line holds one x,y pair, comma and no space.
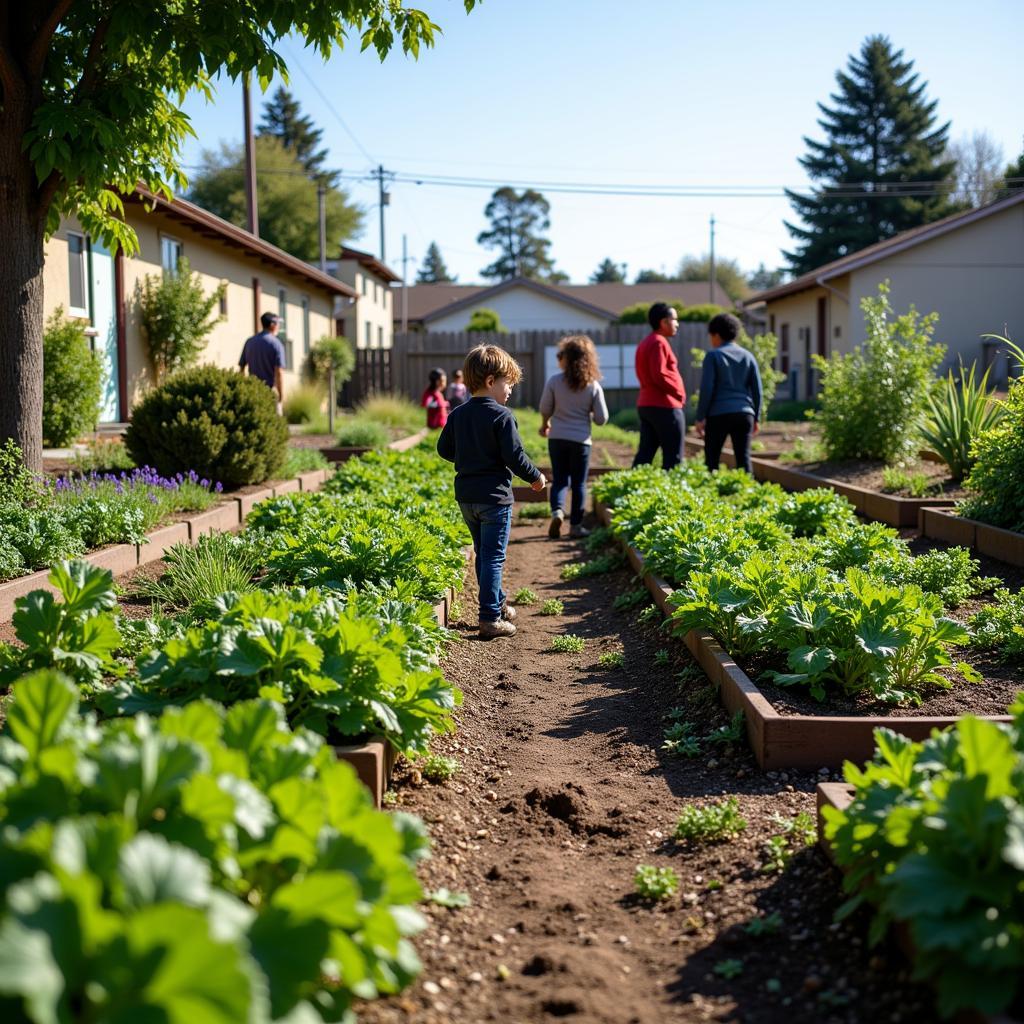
22,228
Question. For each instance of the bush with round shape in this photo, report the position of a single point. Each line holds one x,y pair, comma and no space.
72,381
327,353
220,423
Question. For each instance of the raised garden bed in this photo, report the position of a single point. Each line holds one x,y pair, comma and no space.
1006,545
783,741
342,453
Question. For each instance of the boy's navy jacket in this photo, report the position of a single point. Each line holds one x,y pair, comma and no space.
482,439
730,383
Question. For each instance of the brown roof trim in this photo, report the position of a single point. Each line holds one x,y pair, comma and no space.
888,247
211,226
370,262
551,291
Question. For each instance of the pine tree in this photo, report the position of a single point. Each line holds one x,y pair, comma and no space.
649,276
609,272
1013,178
518,220
283,119
881,169
434,270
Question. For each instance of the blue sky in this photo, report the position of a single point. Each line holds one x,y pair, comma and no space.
673,92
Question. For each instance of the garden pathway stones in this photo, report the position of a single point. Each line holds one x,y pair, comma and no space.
563,791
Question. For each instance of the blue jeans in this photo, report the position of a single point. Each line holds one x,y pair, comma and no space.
489,526
569,463
660,428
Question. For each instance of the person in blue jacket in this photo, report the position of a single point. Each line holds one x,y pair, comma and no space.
730,395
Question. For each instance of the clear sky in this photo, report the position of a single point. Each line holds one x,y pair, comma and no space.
648,92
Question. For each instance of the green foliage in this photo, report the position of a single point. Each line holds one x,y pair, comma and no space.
701,313
534,510
568,643
102,455
485,321
657,884
933,839
598,566
438,768
608,271
519,221
524,595
612,659
764,348
302,404
1000,625
681,740
451,900
160,869
997,476
768,924
552,606
917,484
631,599
176,317
72,381
959,412
224,425
637,312
728,274
359,433
874,398
950,573
432,269
729,968
718,820
303,460
327,353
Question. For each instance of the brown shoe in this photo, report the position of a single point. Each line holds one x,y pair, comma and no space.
492,630
508,613
555,528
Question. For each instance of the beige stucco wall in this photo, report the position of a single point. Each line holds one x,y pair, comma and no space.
522,309
973,277
370,322
216,263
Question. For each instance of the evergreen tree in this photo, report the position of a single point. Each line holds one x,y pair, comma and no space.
881,168
283,119
653,277
727,273
608,272
1013,178
433,270
762,279
518,220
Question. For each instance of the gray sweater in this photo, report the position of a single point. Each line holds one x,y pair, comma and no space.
570,411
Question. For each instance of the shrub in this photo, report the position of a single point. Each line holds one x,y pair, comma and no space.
637,313
701,313
959,411
330,352
72,381
626,419
392,411
359,433
175,314
302,404
302,460
221,424
485,321
998,472
873,399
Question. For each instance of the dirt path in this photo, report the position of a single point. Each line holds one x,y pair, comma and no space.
563,791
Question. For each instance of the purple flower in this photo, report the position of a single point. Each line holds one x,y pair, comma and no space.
218,487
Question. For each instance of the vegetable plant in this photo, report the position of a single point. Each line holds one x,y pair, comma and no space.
524,596
612,659
658,884
552,606
438,768
1000,625
568,643
720,819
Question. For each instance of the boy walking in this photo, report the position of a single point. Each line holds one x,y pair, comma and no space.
482,439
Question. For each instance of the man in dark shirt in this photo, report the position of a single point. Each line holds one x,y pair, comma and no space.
263,356
482,439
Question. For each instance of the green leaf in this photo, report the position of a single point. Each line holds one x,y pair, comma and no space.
156,871
250,726
28,970
85,589
43,702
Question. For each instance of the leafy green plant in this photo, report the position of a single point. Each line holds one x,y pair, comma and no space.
612,659
552,606
631,599
766,924
331,352
959,411
681,740
734,732
729,969
775,854
661,657
525,596
800,829
302,460
917,484
359,433
176,317
72,381
102,455
874,398
594,567
302,404
649,616
932,839
600,537
449,899
438,768
715,821
568,643
534,510
221,424
485,321
949,573
157,867
1000,625
658,884
805,449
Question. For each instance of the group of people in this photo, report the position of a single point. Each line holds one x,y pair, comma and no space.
480,436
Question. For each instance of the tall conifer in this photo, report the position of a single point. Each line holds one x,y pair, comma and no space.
433,270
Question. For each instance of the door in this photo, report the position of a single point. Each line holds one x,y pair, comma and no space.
104,321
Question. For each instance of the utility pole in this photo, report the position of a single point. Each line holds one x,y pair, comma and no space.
711,282
252,213
405,287
385,200
321,197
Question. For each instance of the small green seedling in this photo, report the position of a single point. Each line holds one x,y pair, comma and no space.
572,571
729,969
653,883
599,538
649,616
801,828
612,659
535,510
595,567
455,612
712,822
631,599
681,740
767,925
447,898
568,643
524,595
776,854
390,798
661,657
438,768
552,606
731,733
714,885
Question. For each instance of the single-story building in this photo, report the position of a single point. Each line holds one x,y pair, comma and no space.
369,323
968,268
92,284
527,305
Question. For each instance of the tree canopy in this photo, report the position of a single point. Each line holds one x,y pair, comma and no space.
978,169
762,279
433,270
881,168
653,277
286,197
518,222
608,271
283,119
727,273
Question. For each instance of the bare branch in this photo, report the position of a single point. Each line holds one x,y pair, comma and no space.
36,55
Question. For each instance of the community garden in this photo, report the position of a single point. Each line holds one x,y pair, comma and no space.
752,755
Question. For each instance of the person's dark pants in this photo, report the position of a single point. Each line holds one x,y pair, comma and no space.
570,461
660,428
489,526
739,428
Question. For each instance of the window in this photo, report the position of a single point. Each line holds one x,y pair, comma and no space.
368,334
380,337
305,324
78,298
375,298
282,311
365,285
784,349
170,253
224,299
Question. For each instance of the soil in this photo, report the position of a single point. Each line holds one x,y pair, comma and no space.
563,791
869,475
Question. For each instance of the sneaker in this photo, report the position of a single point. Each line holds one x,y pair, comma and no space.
508,613
502,627
578,530
555,529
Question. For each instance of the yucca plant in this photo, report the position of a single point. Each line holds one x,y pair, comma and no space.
958,411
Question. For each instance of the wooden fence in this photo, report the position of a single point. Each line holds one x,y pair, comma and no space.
414,355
